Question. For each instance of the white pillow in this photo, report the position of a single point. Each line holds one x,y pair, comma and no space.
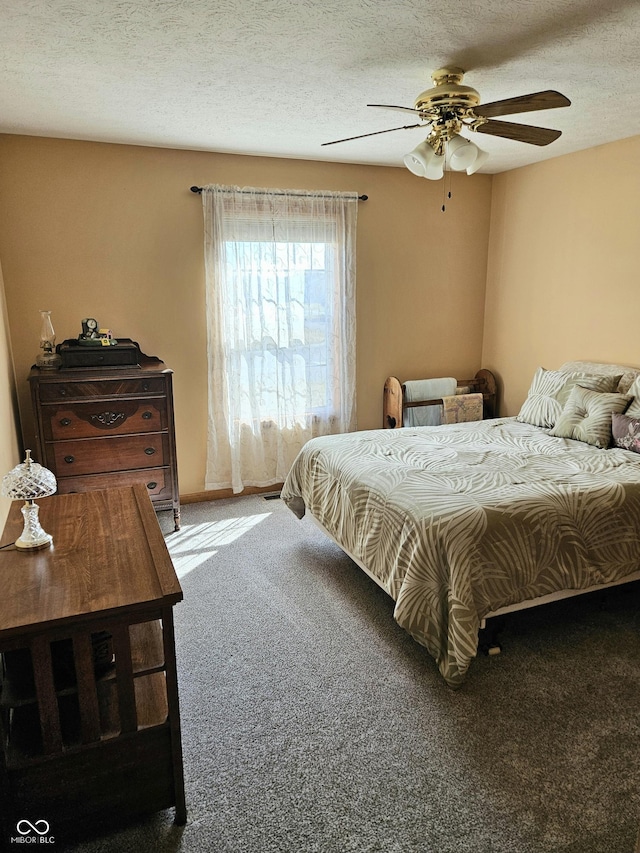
600,368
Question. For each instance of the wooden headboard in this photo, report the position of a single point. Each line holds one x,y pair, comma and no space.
394,404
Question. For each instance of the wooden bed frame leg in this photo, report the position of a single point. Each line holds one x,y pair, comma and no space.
488,636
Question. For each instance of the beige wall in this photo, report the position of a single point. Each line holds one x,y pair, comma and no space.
9,451
563,280
112,231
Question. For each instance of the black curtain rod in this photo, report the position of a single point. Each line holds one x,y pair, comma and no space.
199,190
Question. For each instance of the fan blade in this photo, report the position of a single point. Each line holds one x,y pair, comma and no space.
548,100
520,132
394,107
375,133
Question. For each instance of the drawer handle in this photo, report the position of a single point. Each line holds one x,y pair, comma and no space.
69,459
63,392
149,451
145,386
147,416
65,422
151,486
108,419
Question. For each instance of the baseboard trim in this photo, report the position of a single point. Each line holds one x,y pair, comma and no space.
220,494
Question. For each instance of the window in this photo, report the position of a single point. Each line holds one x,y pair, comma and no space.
280,302
284,317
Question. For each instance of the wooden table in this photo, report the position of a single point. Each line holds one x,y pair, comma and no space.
89,716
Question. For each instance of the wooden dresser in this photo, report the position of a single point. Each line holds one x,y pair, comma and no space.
103,427
89,716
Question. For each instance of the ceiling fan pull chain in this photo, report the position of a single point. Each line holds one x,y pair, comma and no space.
446,193
444,181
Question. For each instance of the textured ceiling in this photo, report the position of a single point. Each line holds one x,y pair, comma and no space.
279,77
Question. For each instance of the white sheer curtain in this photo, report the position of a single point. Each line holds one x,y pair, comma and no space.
280,288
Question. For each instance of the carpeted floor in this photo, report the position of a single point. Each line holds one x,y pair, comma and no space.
313,724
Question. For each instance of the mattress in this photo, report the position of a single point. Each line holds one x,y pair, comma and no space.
458,521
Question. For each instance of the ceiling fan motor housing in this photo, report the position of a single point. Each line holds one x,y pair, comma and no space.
447,92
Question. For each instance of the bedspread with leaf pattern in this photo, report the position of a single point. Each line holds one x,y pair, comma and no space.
457,521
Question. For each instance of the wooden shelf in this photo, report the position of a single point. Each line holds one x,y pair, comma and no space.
147,656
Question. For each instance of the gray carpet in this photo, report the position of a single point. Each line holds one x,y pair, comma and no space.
312,722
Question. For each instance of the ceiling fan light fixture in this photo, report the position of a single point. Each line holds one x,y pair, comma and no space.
462,153
435,169
418,160
478,163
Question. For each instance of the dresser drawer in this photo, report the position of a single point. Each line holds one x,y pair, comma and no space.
101,455
96,418
53,391
157,481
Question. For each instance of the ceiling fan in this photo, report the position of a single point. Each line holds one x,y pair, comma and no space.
449,107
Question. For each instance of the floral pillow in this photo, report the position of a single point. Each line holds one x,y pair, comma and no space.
587,416
626,432
550,390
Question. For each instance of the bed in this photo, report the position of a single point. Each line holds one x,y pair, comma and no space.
461,522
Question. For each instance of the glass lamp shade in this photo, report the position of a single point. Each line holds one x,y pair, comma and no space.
435,169
48,357
424,162
416,161
481,159
462,153
26,482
